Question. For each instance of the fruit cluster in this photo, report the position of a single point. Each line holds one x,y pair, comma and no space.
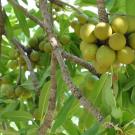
36,46
106,44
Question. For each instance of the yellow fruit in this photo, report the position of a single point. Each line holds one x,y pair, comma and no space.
120,24
47,47
34,56
7,90
83,45
82,18
105,56
103,31
117,41
131,40
131,23
86,33
100,68
33,42
41,45
89,53
13,64
126,55
26,94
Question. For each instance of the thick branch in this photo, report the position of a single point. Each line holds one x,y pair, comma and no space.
26,13
52,100
28,62
103,16
66,76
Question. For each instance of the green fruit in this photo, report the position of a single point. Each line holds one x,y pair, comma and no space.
19,91
13,54
103,31
82,18
89,53
76,26
117,41
47,47
41,45
40,38
26,94
126,55
34,56
131,40
65,39
13,64
83,45
100,68
120,24
105,56
86,33
6,79
7,90
33,42
21,61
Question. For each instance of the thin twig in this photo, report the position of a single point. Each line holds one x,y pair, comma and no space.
28,62
80,61
62,3
65,73
103,16
35,19
52,100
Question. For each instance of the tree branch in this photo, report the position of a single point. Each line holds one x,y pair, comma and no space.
26,13
103,16
80,61
66,76
52,100
29,65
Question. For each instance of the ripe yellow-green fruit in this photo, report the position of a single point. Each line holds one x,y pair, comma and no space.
131,40
103,31
86,33
13,64
34,56
131,23
126,55
89,53
19,91
117,41
105,56
65,39
41,45
7,90
47,47
33,42
26,94
82,18
120,24
100,68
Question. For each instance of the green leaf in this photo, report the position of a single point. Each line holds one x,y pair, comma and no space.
22,21
62,115
8,27
130,7
133,96
92,130
43,98
71,128
17,116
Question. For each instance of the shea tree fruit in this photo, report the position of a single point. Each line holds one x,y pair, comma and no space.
47,47
126,55
13,64
131,40
105,56
89,53
34,56
86,33
103,31
19,91
120,24
82,18
33,42
117,41
65,39
83,45
41,45
131,23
